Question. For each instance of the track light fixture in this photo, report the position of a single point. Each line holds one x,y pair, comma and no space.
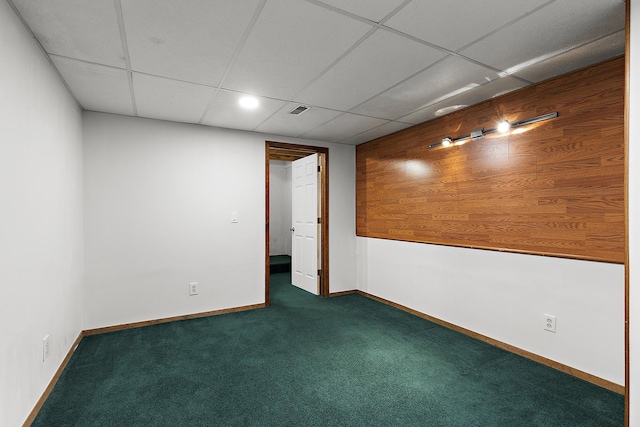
502,127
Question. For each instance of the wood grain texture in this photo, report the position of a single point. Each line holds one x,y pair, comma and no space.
145,323
627,336
47,391
551,188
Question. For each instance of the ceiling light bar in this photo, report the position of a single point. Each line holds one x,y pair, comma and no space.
503,127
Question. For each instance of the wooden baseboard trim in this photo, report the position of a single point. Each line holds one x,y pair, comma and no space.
54,380
170,319
47,391
520,352
339,294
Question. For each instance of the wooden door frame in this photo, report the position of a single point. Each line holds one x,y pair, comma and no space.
627,264
290,152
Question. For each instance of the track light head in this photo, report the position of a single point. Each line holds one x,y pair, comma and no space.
503,126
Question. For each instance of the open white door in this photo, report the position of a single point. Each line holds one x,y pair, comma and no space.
304,201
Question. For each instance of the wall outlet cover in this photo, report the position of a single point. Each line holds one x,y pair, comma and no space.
45,348
550,323
193,288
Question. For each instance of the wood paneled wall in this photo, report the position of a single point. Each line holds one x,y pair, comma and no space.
552,188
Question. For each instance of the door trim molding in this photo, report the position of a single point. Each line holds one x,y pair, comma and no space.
289,152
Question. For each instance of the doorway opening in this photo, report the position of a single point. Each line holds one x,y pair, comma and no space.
289,153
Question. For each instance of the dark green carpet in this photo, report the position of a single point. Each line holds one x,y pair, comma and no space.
309,361
279,263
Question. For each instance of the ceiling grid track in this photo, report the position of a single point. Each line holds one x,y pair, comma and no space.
35,39
319,75
428,55
375,25
239,48
125,51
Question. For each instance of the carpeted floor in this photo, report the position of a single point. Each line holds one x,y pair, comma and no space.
279,263
310,361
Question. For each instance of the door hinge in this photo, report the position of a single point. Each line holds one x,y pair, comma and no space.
319,271
319,220
318,168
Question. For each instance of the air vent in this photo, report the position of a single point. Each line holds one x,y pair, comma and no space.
298,110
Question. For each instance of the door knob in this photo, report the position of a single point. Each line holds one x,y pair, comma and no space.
292,229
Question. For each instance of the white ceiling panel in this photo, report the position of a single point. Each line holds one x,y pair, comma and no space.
374,133
454,24
97,87
343,127
164,99
283,123
227,112
291,43
80,29
487,91
561,26
358,63
373,10
583,56
447,78
378,63
186,40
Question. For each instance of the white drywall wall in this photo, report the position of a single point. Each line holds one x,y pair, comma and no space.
280,207
505,296
40,220
158,204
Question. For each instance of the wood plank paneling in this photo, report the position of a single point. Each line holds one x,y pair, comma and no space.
551,188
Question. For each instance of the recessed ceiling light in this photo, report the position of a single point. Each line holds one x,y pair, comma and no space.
449,109
248,102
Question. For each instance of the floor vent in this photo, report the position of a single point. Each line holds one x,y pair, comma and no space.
298,110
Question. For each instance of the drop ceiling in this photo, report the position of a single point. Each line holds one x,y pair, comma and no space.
366,68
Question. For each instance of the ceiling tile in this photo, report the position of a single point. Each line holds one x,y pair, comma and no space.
291,43
487,91
86,30
97,87
445,79
226,111
343,127
283,123
378,63
374,133
373,10
591,53
454,24
556,28
164,99
192,41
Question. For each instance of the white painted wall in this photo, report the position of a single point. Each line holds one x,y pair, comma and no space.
40,220
634,214
158,203
280,207
505,295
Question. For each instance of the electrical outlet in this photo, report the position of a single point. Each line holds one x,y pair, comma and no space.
45,348
193,288
550,323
